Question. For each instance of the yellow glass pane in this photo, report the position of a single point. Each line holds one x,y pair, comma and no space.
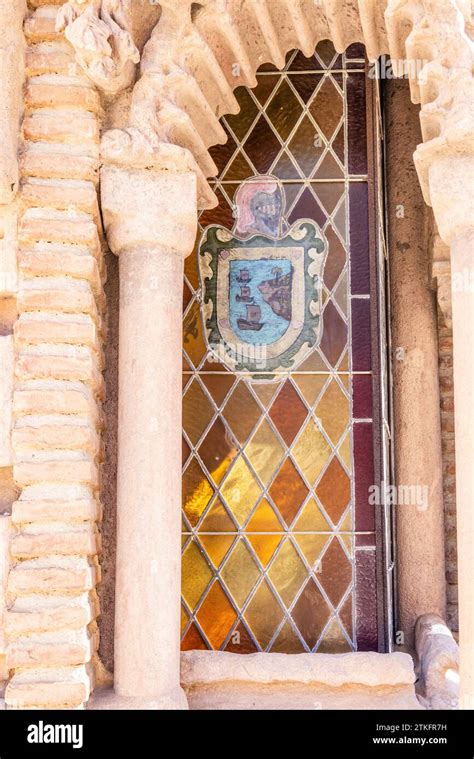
265,391
264,451
242,412
344,451
240,491
216,546
197,411
197,492
196,575
311,451
217,519
311,519
346,381
218,450
310,385
264,519
333,411
344,364
264,546
347,540
240,573
287,572
184,618
287,641
340,295
312,546
314,363
263,614
191,266
193,339
334,641
346,525
216,616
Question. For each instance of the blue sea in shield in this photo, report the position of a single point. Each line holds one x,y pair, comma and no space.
260,299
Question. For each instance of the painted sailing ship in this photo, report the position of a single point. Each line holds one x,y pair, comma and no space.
245,295
244,276
252,321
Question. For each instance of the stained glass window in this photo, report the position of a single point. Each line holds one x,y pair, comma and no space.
279,538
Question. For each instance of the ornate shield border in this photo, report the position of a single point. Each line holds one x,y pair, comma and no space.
305,235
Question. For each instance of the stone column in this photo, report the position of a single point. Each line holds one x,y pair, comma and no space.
451,189
150,217
417,432
462,273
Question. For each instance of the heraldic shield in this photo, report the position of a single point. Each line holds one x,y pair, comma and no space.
261,284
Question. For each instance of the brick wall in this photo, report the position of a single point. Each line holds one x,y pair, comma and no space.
449,483
50,624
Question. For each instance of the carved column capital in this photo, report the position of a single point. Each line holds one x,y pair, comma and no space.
98,31
148,194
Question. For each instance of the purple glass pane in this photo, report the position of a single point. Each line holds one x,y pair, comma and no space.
361,343
356,124
364,476
366,600
365,541
362,396
357,50
307,208
305,84
262,145
359,238
221,154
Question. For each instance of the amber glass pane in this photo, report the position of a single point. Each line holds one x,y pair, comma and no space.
277,529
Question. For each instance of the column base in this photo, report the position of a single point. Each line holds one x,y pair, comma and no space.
106,698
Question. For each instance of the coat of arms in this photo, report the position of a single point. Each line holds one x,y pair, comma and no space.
261,283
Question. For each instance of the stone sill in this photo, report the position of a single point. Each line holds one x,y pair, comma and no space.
334,670
221,680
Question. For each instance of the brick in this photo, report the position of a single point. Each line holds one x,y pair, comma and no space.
38,401
6,394
39,95
46,579
54,62
69,470
32,654
59,166
41,29
33,331
39,3
71,127
48,695
76,543
80,232
76,368
72,617
55,436
3,669
446,362
447,421
52,510
449,467
447,403
68,301
60,195
60,263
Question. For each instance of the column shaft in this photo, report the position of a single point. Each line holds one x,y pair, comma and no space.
417,439
149,473
462,272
